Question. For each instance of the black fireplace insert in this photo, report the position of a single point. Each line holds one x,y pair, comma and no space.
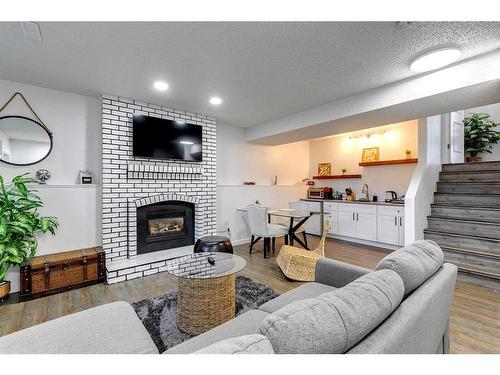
164,225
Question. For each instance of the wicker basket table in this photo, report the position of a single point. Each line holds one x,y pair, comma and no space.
206,294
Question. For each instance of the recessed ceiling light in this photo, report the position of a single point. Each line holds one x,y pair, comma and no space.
161,85
435,59
215,100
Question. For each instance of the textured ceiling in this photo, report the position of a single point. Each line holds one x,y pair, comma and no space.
263,71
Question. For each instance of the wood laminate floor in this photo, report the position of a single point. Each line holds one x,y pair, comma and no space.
474,317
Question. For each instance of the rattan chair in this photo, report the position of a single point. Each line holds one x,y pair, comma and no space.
300,264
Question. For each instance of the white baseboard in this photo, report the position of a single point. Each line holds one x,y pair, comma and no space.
241,241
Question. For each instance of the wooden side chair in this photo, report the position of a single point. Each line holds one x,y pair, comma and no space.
300,264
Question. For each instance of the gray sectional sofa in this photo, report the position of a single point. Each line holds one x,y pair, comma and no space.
401,307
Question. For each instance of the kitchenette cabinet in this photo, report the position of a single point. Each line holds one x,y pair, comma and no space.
391,225
314,223
373,223
358,220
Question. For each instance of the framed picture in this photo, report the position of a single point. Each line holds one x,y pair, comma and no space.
370,154
324,169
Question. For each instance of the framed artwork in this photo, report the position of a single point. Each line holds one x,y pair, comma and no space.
324,169
370,154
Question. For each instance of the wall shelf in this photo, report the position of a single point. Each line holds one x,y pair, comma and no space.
337,177
388,162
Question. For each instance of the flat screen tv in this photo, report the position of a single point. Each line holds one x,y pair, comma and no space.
157,138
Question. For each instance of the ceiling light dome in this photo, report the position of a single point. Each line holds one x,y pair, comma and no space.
161,85
435,59
215,100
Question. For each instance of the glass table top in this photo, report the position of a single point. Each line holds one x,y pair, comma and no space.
197,265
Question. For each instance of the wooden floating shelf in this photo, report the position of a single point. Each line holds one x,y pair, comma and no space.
388,162
337,177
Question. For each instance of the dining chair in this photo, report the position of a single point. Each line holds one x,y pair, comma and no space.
260,228
300,264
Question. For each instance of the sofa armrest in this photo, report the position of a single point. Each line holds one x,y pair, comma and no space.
337,274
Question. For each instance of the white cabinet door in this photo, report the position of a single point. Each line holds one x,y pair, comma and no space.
332,218
347,224
313,224
366,226
388,229
401,237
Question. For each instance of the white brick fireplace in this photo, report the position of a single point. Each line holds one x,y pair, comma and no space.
129,182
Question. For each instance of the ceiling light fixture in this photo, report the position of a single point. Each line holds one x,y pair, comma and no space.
161,85
186,142
215,100
435,59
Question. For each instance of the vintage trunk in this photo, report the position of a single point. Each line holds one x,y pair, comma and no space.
54,273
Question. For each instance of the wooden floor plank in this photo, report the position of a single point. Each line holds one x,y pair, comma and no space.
474,315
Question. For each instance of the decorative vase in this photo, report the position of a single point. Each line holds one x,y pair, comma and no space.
4,290
473,159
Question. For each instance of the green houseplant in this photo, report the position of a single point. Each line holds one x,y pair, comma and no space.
20,223
479,135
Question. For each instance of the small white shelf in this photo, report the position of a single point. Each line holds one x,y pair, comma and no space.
63,186
246,186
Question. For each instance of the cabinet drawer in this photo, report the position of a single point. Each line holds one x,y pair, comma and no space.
313,206
330,207
360,208
391,211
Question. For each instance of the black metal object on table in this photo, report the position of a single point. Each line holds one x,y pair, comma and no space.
210,244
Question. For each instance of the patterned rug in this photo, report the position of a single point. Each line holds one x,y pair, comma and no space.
159,314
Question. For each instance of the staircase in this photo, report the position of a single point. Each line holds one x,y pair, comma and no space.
465,220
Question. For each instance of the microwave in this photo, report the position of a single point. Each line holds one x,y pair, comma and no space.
316,193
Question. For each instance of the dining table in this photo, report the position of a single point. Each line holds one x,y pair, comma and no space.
296,218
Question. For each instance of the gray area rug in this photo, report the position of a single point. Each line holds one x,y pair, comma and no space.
159,314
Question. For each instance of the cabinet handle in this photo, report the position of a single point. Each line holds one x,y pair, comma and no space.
353,216
357,217
395,221
400,221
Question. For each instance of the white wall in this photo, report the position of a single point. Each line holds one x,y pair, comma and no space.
494,111
78,210
74,122
420,193
238,160
343,152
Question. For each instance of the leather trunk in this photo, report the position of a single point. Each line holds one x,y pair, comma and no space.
54,273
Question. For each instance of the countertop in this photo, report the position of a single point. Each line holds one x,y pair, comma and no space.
356,202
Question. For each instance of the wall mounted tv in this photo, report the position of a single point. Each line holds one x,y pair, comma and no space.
157,138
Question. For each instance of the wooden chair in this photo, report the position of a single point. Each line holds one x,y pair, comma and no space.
300,264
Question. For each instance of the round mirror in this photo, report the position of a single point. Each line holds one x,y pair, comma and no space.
23,141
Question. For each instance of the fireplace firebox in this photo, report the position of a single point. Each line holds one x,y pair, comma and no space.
164,225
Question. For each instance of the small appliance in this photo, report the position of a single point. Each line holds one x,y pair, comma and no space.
315,193
390,196
327,192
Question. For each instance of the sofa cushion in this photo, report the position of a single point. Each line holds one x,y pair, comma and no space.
334,321
414,263
249,344
244,324
113,328
308,290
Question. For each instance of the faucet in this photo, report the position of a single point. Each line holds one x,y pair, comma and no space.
365,191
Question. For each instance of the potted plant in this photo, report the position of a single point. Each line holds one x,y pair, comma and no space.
20,223
408,153
344,170
479,135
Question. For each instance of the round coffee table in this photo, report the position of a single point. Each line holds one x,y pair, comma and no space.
206,296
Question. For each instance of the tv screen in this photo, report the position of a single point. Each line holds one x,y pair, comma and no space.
157,138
